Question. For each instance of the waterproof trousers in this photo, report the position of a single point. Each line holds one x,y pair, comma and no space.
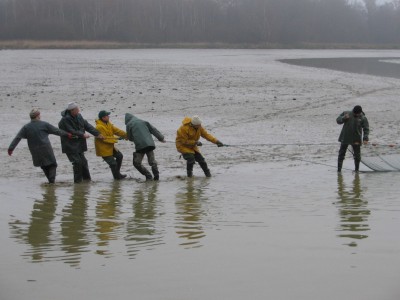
80,166
115,163
190,161
356,156
137,163
50,171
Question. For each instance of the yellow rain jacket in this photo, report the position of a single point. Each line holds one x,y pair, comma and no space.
187,137
109,131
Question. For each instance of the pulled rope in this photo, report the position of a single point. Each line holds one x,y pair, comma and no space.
285,156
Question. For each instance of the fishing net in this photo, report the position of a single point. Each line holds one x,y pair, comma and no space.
381,158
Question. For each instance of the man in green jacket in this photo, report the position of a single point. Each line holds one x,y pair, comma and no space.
355,131
140,132
73,122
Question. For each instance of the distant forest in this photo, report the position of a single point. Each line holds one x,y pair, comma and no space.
202,21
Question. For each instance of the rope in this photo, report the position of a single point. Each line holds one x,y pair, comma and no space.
285,156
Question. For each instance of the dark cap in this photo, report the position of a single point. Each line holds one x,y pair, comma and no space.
103,113
357,109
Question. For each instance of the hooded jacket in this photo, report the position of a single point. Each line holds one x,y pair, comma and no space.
187,137
37,134
77,126
140,132
354,130
109,131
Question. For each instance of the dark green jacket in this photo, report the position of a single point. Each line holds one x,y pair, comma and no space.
355,129
140,132
77,126
37,134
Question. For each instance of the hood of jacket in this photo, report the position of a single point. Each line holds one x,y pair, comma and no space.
129,117
186,120
64,113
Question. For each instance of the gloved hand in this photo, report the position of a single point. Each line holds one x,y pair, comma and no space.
199,144
10,152
69,135
219,144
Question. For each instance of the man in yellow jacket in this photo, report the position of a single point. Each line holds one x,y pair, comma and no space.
106,147
187,142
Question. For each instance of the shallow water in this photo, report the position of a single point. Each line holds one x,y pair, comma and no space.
275,220
386,67
204,238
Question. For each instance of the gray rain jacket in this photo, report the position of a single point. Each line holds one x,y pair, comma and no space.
77,126
140,132
37,134
355,129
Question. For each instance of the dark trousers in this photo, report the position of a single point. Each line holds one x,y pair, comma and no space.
80,166
356,155
137,163
192,158
115,163
50,171
190,161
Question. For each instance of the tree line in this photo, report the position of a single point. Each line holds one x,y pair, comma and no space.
202,21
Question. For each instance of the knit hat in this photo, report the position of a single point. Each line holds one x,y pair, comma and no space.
34,113
103,113
357,109
196,121
72,105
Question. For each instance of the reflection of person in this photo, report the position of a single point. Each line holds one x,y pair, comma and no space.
72,121
142,229
140,132
355,131
352,209
39,232
37,134
74,229
189,214
106,147
107,216
187,143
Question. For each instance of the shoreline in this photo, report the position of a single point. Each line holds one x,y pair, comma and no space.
85,44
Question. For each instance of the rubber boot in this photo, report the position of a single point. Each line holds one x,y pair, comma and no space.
52,171
142,170
46,172
339,167
156,174
119,164
115,172
205,168
189,169
357,165
77,168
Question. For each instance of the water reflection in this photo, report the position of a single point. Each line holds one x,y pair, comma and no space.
189,213
74,230
353,211
108,213
38,232
142,230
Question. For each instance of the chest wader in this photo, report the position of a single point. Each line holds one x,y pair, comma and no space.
356,155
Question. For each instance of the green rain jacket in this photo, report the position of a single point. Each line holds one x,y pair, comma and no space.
355,129
140,132
77,126
37,134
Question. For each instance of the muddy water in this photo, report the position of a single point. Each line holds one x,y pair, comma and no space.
275,220
386,67
285,233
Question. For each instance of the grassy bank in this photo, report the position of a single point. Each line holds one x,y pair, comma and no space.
55,44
